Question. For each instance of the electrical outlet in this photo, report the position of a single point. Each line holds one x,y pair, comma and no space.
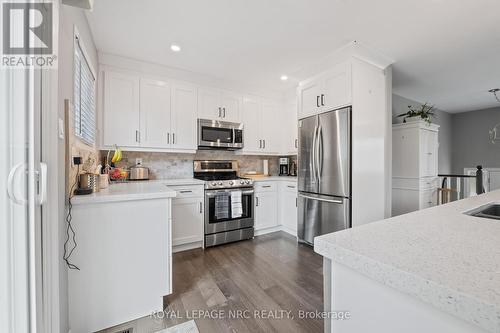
138,161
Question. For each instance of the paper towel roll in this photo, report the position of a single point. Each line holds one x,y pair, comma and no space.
265,167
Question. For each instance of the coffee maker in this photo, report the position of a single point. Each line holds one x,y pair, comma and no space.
284,166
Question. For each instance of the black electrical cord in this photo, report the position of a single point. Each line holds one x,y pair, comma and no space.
69,228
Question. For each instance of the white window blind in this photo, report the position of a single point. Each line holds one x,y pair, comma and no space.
84,99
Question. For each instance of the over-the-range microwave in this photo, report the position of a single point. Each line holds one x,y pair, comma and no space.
215,134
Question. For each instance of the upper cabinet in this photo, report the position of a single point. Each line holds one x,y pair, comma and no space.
219,105
149,114
328,91
121,105
260,119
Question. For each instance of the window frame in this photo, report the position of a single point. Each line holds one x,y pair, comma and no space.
78,42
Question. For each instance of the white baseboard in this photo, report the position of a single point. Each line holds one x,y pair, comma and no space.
188,246
274,229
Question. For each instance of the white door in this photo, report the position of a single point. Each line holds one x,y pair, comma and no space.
252,110
266,204
23,180
155,114
309,95
209,106
187,221
336,88
271,134
184,126
121,110
231,107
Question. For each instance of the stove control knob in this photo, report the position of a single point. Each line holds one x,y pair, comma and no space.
242,182
247,181
220,183
214,184
231,183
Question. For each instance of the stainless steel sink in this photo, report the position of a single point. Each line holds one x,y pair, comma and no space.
489,211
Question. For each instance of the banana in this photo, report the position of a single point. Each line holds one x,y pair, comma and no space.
115,157
120,155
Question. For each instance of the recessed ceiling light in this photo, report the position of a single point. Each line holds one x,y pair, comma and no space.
284,77
175,47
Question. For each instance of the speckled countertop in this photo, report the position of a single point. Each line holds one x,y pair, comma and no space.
439,255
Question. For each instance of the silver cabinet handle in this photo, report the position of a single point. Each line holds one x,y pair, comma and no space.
137,136
266,186
296,143
220,112
256,201
321,199
322,99
168,137
186,191
260,143
296,202
201,207
173,138
317,101
224,114
290,186
264,144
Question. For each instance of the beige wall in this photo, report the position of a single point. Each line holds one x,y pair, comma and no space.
69,17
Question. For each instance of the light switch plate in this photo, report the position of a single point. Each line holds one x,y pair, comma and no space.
60,129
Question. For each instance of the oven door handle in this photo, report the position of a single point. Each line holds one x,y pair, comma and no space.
213,193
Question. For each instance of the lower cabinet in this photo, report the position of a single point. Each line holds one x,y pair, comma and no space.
288,207
409,195
187,217
266,213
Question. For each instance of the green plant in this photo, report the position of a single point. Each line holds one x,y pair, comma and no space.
426,112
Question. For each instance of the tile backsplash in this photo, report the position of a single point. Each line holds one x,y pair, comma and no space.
172,165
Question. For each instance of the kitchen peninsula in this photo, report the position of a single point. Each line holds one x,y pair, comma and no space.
392,275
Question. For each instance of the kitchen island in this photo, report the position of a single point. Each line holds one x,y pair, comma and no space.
434,270
123,254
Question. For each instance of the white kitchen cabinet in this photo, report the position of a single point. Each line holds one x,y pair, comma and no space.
148,114
266,203
121,119
155,114
260,119
327,91
290,132
288,206
187,217
219,105
414,166
183,118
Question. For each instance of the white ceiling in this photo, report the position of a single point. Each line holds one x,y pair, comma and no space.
446,52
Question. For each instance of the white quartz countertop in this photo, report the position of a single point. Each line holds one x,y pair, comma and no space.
175,182
276,178
439,255
126,192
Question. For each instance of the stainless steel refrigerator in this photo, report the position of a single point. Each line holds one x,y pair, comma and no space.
324,174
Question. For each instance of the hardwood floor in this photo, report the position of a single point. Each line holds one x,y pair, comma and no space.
241,283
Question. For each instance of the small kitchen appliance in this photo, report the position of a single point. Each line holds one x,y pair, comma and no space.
284,166
139,172
215,134
229,202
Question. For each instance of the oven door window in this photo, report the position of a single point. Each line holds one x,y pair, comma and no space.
247,205
216,135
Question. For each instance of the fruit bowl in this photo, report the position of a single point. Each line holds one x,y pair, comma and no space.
118,174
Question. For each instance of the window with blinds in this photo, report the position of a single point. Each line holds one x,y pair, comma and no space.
84,99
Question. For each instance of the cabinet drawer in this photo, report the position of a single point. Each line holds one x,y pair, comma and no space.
428,198
289,186
188,191
265,187
429,183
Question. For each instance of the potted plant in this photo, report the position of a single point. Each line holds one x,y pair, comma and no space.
425,113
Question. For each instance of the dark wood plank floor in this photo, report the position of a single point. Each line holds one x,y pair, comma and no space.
269,273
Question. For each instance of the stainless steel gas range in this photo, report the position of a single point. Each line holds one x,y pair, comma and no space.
229,213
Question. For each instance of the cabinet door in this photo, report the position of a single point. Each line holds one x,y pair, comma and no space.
187,220
155,114
271,134
428,198
184,124
288,207
309,95
252,110
428,153
266,204
209,104
231,107
336,88
121,110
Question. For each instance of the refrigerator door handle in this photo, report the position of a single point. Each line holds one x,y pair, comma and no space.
313,154
322,199
319,162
